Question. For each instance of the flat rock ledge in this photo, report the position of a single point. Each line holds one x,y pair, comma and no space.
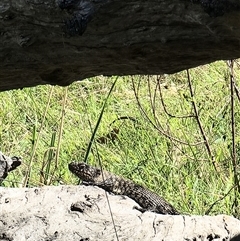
81,213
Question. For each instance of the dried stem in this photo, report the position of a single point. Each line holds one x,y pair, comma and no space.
156,126
27,176
234,153
60,132
164,106
199,122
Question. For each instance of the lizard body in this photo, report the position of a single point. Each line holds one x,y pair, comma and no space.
110,182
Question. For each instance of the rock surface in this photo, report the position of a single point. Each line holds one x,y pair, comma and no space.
58,41
82,213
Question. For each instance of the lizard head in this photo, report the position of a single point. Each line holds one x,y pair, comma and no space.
84,171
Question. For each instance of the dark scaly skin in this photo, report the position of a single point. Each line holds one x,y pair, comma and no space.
8,164
147,199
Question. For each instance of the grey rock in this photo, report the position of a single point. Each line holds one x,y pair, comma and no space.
47,213
61,41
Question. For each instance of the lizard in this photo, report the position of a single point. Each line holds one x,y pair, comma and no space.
8,164
148,200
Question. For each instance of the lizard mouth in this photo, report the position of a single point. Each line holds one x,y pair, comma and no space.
81,170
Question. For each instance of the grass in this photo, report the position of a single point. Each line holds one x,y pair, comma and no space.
160,146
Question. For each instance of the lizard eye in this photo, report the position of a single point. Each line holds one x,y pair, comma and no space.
98,172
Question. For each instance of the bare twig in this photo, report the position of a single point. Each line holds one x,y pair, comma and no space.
156,126
237,91
199,122
220,199
152,98
163,103
234,153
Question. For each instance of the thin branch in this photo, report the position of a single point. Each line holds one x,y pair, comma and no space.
220,199
136,93
237,91
234,152
164,106
199,122
152,99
